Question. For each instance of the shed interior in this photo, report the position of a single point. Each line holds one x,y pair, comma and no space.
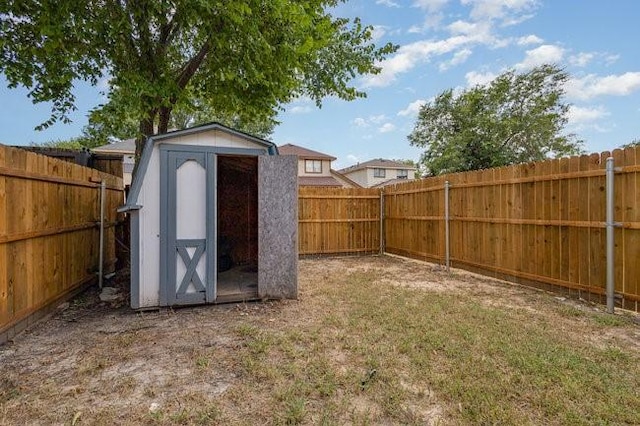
237,228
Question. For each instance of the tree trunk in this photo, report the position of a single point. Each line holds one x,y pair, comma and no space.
164,117
146,130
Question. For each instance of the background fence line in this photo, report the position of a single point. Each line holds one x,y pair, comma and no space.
338,221
49,233
539,224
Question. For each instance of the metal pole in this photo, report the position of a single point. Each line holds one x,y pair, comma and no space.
103,190
610,240
381,222
446,225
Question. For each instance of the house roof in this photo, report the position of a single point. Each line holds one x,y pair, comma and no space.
291,149
127,146
342,177
136,184
318,181
378,163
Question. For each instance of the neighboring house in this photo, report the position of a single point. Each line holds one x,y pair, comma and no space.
379,172
314,168
126,148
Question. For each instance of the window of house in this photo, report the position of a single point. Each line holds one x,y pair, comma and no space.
313,166
403,174
379,173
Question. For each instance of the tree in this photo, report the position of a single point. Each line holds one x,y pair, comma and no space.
516,118
239,58
632,144
77,142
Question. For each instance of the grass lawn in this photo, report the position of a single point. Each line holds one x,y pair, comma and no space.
372,340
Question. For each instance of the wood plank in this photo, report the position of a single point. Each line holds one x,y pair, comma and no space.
597,210
563,215
631,238
5,303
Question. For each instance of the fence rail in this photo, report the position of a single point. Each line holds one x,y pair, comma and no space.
49,233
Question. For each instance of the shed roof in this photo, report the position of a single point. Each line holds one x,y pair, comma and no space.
291,149
136,184
378,163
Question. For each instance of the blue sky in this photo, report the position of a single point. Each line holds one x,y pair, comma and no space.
443,44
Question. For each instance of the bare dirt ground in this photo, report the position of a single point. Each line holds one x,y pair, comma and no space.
276,362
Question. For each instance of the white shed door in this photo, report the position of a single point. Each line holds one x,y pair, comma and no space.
187,227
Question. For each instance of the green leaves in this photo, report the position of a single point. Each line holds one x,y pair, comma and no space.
238,59
514,119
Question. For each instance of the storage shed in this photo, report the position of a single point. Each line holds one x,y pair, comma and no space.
213,219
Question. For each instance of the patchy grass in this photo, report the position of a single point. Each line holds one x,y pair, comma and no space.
374,340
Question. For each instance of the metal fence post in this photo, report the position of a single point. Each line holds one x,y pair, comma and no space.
610,224
103,192
381,221
446,225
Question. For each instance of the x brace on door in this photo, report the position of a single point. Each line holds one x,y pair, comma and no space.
191,276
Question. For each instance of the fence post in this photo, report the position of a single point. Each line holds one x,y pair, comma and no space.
381,221
446,225
610,291
103,193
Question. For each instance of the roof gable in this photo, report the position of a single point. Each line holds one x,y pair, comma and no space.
378,163
127,146
291,149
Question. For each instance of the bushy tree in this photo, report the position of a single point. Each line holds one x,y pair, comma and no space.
239,58
632,144
516,118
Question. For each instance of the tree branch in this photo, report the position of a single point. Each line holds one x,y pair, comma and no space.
190,68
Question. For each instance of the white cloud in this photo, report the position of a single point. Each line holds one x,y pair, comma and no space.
466,33
610,59
389,3
386,128
580,115
505,10
300,109
377,119
368,121
432,20
582,59
360,122
413,108
457,59
545,54
378,32
410,55
590,86
515,20
430,5
476,78
353,158
467,28
530,39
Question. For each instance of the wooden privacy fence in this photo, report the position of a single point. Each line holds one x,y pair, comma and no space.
338,221
536,223
49,232
539,224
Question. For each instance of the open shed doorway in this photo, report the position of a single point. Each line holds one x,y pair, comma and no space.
237,228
